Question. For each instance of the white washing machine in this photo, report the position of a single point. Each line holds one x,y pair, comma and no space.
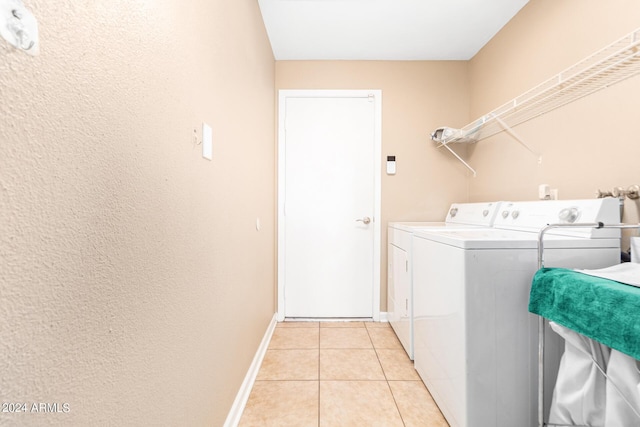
399,289
475,341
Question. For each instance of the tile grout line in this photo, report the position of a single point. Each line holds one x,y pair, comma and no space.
375,349
395,402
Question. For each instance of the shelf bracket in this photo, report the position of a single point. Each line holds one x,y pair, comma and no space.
515,136
459,158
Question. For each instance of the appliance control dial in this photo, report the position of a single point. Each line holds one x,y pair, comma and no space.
505,214
515,214
485,212
569,215
453,212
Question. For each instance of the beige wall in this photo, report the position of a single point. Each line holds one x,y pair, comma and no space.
589,144
416,98
133,283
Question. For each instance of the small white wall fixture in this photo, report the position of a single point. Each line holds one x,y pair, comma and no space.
19,27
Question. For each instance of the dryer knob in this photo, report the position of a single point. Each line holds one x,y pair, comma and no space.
515,214
485,212
569,215
505,214
453,212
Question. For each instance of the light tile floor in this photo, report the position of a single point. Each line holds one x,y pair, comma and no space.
338,374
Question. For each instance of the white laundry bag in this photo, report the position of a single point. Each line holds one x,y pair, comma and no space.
579,397
623,394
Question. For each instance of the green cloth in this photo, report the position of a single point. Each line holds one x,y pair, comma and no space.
604,310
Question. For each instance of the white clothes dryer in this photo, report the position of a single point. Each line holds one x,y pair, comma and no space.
475,341
399,283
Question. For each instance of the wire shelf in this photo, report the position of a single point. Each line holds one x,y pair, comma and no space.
610,65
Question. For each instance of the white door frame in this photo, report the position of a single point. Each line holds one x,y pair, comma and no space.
377,99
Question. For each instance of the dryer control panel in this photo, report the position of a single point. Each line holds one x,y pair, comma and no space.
535,215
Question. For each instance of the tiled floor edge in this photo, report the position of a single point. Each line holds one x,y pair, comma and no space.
235,413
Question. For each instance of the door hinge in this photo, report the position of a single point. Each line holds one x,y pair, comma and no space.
406,266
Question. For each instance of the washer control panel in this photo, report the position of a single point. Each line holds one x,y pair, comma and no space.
482,214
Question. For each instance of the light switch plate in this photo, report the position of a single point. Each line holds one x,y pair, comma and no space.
207,142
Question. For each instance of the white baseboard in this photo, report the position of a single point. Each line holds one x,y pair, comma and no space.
384,316
233,418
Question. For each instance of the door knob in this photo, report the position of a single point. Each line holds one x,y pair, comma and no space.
365,220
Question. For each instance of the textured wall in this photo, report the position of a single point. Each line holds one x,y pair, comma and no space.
417,97
589,144
134,285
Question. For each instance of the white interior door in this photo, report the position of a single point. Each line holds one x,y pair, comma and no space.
328,234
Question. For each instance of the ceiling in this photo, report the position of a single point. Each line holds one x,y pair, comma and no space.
383,29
